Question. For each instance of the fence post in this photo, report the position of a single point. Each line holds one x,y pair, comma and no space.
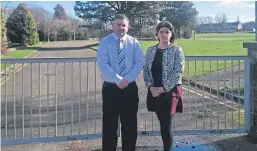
252,66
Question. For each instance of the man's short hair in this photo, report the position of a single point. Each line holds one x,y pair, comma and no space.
121,16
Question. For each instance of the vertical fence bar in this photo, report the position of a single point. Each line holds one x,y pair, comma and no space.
39,91
239,112
211,103
247,107
72,98
87,118
87,96
31,97
225,90
22,87
87,81
6,115
181,119
79,95
14,101
232,87
47,68
145,121
218,82
196,99
56,101
95,99
188,94
64,96
203,95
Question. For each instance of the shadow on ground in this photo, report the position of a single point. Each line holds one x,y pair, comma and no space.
68,48
232,142
204,143
64,48
61,48
141,148
235,143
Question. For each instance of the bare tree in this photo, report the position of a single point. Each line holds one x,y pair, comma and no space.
224,19
38,13
59,26
205,20
219,18
4,5
47,26
7,10
74,26
201,20
43,20
209,19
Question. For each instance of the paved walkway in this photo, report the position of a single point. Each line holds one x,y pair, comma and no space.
153,143
230,79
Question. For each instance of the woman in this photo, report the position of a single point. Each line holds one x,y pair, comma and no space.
164,66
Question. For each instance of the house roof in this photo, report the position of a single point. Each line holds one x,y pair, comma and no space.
219,24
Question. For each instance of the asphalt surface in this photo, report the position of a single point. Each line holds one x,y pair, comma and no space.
231,79
70,103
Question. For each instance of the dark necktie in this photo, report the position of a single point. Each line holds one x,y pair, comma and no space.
121,56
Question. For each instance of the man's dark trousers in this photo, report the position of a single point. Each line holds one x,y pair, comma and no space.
121,103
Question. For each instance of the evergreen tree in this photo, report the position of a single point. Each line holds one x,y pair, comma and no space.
3,34
21,26
180,13
33,35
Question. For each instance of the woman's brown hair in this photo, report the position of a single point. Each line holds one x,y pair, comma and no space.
168,25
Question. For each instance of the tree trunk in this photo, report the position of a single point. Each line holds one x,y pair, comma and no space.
140,27
48,35
193,32
179,28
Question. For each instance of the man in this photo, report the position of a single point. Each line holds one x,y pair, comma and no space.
120,59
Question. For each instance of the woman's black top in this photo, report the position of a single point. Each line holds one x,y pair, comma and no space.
157,68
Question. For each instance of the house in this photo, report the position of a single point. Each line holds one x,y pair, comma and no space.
249,27
219,27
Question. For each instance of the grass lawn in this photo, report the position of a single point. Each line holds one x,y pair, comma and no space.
95,47
93,39
17,54
20,54
227,36
206,48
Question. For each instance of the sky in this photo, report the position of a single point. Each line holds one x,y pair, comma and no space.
231,8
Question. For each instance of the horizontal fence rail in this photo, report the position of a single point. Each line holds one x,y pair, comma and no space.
59,99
